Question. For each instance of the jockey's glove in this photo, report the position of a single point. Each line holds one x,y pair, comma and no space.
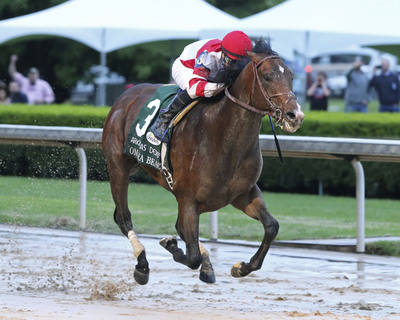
211,89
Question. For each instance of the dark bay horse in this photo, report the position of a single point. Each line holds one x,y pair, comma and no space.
215,155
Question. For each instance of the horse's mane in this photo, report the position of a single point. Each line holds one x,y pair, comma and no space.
261,46
264,46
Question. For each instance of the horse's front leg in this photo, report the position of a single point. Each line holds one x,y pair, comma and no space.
253,205
187,226
206,271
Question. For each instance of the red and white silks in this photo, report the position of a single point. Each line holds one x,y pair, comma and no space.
191,69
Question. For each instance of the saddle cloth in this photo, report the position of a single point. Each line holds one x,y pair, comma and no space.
140,143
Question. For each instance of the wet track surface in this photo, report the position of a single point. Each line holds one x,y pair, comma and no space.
54,274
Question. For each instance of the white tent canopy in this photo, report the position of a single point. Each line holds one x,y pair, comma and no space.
106,25
310,26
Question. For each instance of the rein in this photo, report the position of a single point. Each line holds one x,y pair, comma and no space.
243,104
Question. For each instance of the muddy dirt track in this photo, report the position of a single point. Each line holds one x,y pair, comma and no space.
52,274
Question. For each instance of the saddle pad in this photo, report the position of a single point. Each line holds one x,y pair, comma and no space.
139,144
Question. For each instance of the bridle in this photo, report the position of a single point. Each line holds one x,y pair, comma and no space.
276,112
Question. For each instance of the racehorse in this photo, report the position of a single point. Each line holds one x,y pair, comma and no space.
215,156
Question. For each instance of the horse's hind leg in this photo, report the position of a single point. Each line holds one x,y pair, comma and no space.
254,206
119,180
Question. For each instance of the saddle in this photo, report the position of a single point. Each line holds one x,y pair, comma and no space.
141,143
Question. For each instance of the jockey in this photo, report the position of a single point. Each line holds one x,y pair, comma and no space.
199,72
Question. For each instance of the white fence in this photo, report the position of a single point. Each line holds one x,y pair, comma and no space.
353,150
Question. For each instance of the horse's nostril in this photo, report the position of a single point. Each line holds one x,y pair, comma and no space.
291,115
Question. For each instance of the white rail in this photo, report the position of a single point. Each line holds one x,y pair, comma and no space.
77,138
353,150
360,195
82,190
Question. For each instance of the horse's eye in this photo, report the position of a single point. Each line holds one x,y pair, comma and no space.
267,77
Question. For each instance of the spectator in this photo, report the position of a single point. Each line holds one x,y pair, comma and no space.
37,90
357,96
319,93
387,87
3,94
16,95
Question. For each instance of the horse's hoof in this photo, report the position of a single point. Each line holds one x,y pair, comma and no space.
239,270
207,277
167,242
141,277
163,242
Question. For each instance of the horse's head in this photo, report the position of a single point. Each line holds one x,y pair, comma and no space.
272,90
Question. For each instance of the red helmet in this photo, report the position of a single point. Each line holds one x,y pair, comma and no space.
235,44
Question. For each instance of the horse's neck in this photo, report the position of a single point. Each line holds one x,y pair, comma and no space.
243,124
243,86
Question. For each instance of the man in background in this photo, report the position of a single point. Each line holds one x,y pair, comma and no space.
318,93
37,90
387,87
357,95
16,95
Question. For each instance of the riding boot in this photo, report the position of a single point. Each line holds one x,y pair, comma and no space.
160,126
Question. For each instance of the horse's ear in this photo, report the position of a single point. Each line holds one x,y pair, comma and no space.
253,56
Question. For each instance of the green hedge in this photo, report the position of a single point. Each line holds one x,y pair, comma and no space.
324,124
54,115
303,175
34,161
339,124
295,175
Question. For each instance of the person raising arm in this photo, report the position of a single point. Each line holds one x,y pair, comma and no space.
37,90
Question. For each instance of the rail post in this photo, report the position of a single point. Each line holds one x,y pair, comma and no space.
214,225
82,187
360,194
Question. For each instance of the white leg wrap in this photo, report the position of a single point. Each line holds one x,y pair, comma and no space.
203,251
136,245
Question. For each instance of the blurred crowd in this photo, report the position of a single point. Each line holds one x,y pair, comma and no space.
28,89
360,89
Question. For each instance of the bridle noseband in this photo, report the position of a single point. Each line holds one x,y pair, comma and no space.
276,112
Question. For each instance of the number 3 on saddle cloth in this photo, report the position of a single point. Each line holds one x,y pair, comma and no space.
141,143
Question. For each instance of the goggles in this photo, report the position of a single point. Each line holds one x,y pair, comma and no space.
227,60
